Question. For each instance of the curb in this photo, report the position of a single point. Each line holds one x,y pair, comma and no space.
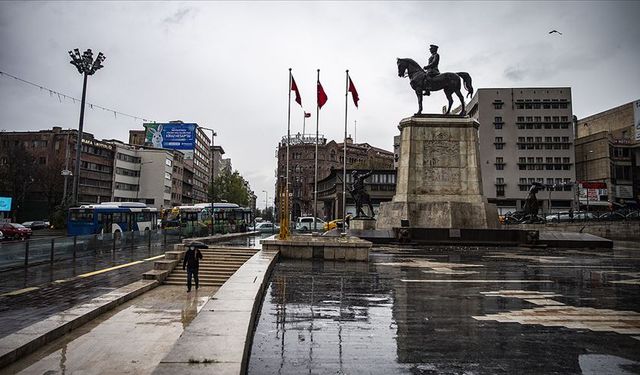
31,338
219,339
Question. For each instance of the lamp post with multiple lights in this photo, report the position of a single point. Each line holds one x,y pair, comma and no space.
86,66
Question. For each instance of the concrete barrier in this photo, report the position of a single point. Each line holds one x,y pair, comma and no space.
613,230
218,340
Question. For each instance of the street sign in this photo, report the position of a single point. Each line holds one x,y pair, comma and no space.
66,172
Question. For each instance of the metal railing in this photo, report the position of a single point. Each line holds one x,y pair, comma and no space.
38,251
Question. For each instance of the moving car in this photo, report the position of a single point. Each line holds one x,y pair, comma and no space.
15,231
35,225
266,227
305,223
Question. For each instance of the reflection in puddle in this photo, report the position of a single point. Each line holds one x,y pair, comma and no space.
405,312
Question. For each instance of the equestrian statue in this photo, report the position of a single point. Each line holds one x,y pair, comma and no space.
423,81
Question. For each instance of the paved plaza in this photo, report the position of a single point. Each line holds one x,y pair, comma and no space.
453,310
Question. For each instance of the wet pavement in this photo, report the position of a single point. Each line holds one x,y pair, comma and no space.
27,297
454,310
132,338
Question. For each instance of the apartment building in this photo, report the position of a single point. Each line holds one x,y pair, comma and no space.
526,135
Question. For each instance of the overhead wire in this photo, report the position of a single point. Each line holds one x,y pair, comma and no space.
74,99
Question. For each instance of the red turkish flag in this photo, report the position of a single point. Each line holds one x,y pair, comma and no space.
322,96
354,93
294,88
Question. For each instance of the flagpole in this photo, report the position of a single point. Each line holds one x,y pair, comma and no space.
344,156
304,120
315,178
288,142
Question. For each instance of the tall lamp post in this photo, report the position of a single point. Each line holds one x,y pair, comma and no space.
213,168
86,66
266,200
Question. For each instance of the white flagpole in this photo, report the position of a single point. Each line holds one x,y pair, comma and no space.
344,157
288,142
315,178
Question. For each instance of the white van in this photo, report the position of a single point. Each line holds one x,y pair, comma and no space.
305,223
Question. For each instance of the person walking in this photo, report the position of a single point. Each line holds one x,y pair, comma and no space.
192,262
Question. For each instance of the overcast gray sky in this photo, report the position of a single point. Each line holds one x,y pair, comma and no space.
225,64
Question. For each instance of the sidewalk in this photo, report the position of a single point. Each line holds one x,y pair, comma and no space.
21,310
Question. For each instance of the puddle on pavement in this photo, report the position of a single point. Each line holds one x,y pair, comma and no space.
472,311
132,337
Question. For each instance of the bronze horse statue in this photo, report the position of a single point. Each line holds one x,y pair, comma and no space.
449,82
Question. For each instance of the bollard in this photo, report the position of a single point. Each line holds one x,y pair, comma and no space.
113,240
26,254
148,239
164,234
133,238
75,247
95,245
51,255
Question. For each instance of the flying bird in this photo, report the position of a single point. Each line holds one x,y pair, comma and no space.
555,31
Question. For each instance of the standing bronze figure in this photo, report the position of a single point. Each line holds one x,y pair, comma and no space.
423,82
359,194
531,205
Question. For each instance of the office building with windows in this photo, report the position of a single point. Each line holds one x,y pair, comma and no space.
608,156
526,135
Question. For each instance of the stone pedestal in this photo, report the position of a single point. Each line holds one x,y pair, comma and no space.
362,224
438,183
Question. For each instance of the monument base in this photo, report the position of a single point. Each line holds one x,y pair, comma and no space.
437,215
362,224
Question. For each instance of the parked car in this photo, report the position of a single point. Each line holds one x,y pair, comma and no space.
1,236
305,223
520,217
564,217
337,223
611,216
35,225
265,227
15,231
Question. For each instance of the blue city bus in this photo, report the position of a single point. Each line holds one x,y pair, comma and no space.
111,217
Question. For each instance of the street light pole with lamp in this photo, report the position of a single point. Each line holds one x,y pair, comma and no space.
86,66
213,168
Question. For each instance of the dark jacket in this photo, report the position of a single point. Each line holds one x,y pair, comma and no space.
192,259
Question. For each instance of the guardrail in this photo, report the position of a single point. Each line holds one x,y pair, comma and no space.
37,251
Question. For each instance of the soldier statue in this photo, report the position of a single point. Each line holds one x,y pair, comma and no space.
531,203
432,67
359,194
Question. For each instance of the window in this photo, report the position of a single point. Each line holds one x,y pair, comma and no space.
499,143
499,163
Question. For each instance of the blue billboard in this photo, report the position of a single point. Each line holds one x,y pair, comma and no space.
175,136
5,204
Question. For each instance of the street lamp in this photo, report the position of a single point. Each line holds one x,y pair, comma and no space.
213,168
266,200
86,66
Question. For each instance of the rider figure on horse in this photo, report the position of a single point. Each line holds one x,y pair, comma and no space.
432,67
